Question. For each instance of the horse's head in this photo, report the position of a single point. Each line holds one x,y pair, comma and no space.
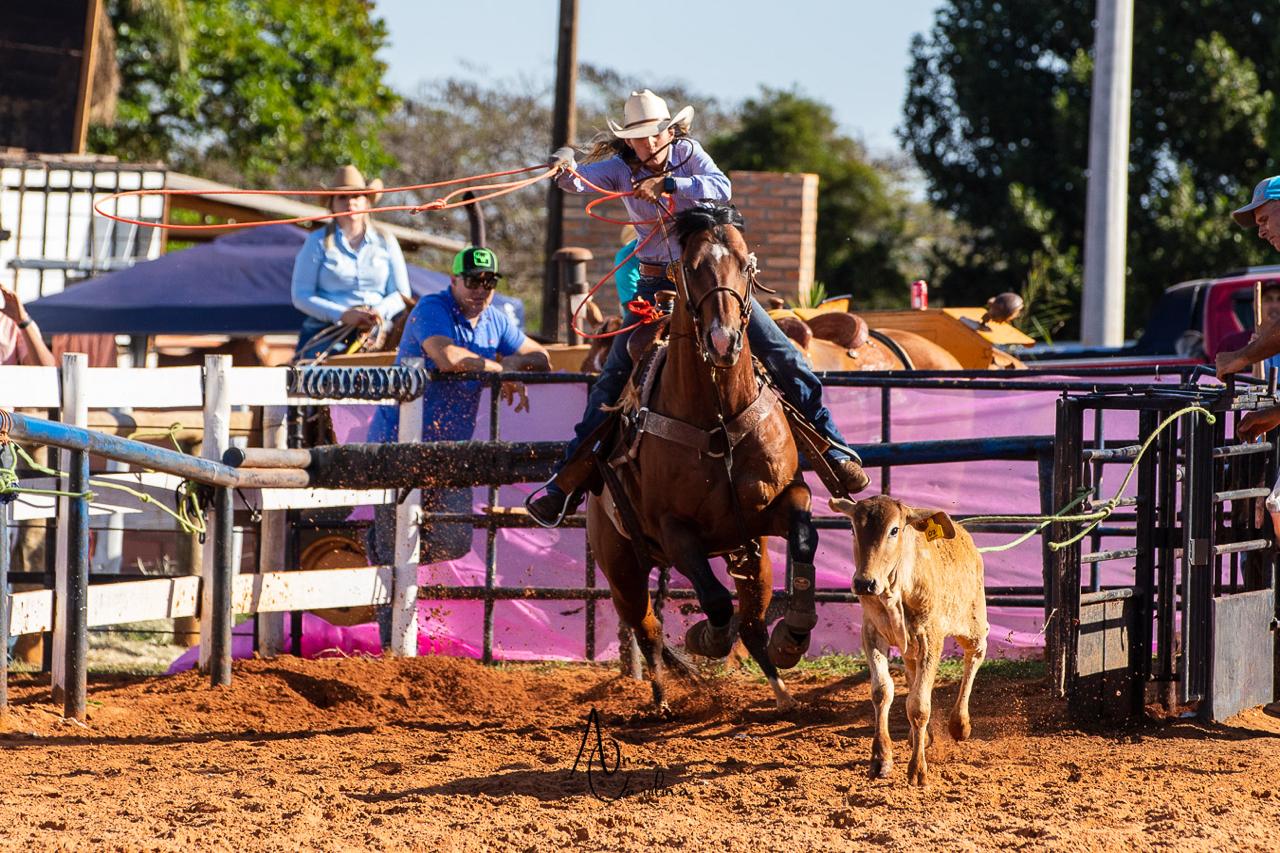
717,273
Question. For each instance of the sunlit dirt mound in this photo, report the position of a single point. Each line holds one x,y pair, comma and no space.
445,754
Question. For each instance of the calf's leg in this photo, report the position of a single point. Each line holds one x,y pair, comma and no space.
919,701
974,653
876,649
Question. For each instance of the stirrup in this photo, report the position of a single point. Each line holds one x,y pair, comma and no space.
844,448
564,509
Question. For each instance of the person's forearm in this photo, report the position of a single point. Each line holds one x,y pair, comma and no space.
36,347
1264,346
712,187
390,306
470,363
537,360
600,173
474,364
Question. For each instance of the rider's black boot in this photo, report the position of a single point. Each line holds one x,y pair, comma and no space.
550,508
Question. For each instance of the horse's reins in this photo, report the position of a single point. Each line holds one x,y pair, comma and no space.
682,287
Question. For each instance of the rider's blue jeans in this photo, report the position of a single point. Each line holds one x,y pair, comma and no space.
780,357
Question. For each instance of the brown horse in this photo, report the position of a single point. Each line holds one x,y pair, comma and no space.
714,472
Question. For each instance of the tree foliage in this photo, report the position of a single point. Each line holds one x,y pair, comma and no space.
997,117
267,91
862,212
461,126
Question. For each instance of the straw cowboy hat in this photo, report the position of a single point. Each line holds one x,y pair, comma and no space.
349,178
645,114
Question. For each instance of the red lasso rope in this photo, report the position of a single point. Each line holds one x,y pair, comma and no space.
646,312
445,202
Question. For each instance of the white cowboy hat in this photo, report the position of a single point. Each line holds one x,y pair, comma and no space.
645,114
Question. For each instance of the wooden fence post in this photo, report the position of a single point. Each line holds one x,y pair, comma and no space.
404,580
217,437
271,538
72,380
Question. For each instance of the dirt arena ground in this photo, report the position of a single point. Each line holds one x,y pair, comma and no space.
443,754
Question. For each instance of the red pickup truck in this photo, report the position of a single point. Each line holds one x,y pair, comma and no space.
1189,325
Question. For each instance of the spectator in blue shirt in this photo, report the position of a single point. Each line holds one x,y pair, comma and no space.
459,330
456,330
349,274
651,155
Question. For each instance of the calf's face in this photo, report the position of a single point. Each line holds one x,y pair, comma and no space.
885,532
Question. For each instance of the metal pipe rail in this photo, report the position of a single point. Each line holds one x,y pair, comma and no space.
1240,494
1242,449
544,593
266,457
936,380
1103,556
54,434
1239,547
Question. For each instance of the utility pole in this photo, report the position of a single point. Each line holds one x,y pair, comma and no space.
1106,208
563,130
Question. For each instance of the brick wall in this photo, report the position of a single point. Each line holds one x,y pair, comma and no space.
781,213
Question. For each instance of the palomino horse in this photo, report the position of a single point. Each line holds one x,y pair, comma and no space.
714,471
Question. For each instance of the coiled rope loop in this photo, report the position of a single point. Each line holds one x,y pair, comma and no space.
1097,516
358,383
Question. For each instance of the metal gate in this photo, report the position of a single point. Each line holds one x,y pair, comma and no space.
1181,611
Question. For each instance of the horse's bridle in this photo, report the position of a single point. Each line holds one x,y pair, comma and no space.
678,273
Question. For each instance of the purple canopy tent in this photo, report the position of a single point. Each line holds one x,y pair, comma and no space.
235,285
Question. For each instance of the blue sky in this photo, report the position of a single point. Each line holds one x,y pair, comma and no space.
851,54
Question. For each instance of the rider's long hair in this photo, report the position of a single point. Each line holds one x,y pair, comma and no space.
605,145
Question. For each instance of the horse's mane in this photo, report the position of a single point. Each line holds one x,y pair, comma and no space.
695,220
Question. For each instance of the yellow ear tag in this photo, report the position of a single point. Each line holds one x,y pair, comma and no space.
932,531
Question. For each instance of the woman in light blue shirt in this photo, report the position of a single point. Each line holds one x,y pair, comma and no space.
350,272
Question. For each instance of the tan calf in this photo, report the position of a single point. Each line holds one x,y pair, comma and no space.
918,577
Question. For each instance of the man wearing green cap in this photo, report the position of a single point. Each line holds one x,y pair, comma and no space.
1262,212
456,330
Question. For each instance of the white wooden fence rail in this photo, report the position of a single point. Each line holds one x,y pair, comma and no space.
216,388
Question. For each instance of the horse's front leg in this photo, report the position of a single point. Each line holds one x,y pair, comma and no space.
790,639
713,636
752,573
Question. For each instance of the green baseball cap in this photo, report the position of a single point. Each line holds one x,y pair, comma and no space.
476,259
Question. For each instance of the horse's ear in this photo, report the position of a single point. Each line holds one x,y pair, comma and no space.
842,506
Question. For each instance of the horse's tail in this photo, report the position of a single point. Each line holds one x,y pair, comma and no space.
679,665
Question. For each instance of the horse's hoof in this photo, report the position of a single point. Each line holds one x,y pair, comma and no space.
787,704
881,768
786,647
710,641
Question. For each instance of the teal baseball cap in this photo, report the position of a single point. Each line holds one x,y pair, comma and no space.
476,259
1266,190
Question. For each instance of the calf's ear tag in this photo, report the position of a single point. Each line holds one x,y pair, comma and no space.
933,530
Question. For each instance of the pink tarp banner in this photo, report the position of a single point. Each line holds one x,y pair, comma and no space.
556,630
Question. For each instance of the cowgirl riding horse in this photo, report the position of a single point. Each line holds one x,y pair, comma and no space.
651,155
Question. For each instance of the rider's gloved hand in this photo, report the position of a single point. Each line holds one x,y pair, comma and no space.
563,158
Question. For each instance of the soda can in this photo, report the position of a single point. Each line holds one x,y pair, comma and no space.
919,295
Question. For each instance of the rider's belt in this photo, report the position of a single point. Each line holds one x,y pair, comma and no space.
653,270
